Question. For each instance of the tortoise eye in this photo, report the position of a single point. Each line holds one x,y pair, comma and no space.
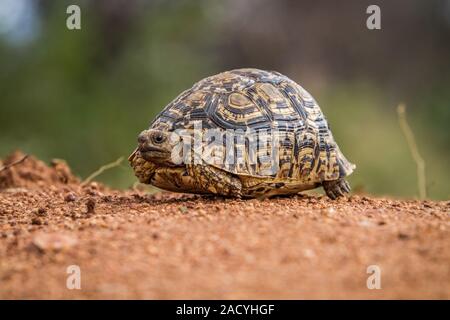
158,138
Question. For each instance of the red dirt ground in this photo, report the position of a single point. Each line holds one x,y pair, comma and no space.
167,246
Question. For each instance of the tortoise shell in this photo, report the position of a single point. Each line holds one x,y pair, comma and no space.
260,100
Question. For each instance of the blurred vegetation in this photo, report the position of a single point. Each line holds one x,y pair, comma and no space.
85,95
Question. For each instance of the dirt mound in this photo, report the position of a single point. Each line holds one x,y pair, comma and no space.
21,171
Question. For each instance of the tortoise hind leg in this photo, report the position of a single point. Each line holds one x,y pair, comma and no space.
336,188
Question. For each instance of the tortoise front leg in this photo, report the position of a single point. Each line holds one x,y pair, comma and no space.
215,181
336,188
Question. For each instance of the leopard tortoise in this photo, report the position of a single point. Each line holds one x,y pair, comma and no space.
294,149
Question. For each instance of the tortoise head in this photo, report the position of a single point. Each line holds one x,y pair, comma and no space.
155,146
154,151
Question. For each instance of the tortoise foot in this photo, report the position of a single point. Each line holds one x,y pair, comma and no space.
336,188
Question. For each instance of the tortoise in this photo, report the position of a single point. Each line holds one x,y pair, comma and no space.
248,103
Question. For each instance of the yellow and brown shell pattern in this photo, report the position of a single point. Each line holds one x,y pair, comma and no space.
262,100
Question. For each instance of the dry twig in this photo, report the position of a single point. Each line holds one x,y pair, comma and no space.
15,163
101,170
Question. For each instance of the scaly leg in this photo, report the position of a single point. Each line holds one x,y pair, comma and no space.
215,181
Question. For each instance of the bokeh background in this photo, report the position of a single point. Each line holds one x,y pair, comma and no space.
84,95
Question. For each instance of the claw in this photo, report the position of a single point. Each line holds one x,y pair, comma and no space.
338,191
346,186
331,194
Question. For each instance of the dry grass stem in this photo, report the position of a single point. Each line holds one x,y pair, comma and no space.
101,170
420,162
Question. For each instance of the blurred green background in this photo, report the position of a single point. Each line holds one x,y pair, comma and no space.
84,95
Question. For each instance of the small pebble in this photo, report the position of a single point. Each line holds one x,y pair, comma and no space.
403,236
70,197
90,206
36,221
53,241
